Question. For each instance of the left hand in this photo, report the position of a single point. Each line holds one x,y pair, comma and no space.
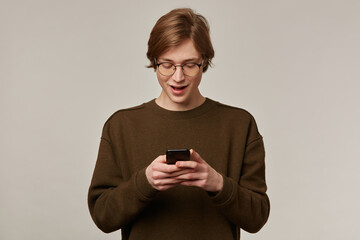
202,175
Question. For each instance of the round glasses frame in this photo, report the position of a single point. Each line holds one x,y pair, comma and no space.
179,65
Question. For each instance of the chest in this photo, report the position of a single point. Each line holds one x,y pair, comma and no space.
219,144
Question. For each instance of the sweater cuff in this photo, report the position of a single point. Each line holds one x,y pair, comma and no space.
225,194
144,189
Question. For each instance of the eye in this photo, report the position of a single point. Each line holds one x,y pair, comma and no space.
190,65
167,65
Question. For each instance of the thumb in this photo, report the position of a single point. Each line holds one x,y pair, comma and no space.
160,159
195,156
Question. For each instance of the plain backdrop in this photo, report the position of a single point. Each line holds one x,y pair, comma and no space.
66,66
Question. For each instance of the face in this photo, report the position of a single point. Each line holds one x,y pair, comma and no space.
180,92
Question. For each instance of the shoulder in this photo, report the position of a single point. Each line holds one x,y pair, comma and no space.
233,112
128,113
238,118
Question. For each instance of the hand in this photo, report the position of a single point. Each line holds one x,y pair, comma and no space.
162,176
203,175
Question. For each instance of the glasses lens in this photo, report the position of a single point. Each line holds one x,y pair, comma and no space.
191,69
166,69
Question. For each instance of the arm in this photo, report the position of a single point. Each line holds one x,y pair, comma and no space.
243,202
114,201
246,203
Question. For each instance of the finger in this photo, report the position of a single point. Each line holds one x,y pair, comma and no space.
161,159
195,156
166,168
166,181
160,175
181,172
196,183
187,164
193,176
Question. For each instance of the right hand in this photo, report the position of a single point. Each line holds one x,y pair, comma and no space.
162,176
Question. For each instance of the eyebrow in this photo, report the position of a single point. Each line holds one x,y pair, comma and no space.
195,59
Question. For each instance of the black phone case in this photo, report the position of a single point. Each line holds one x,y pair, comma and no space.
174,155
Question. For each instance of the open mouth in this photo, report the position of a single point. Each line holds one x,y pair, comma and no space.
178,88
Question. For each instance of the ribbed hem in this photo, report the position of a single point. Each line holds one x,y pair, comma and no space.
145,190
225,194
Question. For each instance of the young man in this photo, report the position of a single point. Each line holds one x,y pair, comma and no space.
219,191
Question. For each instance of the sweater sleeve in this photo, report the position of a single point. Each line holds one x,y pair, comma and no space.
114,201
245,203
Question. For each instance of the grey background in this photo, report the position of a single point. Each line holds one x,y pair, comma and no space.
66,66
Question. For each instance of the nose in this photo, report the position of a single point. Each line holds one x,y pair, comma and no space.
178,75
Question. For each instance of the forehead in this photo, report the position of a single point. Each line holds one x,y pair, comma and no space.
184,51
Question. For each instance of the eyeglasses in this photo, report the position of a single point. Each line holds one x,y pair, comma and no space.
168,69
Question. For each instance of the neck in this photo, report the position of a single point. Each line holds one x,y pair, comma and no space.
173,105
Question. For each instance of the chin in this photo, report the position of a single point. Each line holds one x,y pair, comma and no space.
178,100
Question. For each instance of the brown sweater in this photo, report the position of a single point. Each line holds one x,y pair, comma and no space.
120,196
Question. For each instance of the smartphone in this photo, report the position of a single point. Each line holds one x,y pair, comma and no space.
174,155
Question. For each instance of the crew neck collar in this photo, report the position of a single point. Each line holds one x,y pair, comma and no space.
180,115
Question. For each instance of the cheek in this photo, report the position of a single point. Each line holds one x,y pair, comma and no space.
161,79
196,81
